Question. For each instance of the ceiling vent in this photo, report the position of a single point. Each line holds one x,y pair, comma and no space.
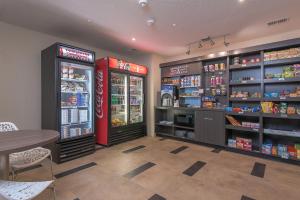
277,22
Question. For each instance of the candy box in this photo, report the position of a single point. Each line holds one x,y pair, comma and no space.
232,143
292,151
274,151
297,146
267,149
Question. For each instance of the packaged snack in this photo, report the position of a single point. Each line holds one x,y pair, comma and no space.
292,151
283,108
267,107
291,110
274,151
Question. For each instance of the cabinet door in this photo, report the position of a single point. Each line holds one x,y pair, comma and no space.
199,126
214,127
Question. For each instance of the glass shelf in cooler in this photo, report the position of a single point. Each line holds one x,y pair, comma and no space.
118,99
136,99
76,100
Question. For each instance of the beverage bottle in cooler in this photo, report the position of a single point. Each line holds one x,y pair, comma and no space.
193,81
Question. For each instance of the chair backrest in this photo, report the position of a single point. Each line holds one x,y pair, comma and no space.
7,126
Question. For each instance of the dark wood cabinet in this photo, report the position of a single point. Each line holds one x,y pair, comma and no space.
209,127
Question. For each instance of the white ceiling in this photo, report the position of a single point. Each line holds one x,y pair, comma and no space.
115,22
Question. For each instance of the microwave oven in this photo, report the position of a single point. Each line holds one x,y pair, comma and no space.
184,120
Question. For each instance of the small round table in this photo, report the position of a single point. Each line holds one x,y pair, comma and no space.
16,141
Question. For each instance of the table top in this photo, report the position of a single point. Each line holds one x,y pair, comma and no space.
16,141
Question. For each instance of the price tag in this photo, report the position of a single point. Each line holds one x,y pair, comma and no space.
281,79
244,81
240,112
283,115
255,129
244,98
244,65
283,98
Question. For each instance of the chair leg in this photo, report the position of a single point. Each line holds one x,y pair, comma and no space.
54,192
51,165
13,174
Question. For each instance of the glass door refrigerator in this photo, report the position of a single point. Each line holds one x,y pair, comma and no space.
120,101
68,99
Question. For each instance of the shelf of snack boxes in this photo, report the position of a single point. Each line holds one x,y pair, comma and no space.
266,115
282,61
282,80
75,92
244,66
249,82
241,128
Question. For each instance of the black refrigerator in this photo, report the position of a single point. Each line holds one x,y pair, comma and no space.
68,99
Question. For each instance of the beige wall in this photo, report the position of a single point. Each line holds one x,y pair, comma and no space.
20,73
233,46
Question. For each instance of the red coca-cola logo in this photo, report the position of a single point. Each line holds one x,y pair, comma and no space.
99,94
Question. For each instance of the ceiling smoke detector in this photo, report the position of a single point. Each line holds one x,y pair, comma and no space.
150,21
278,21
143,3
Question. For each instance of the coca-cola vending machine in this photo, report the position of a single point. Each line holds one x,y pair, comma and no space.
120,101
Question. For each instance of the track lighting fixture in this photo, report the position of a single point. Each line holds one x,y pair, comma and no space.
226,44
188,50
143,3
200,45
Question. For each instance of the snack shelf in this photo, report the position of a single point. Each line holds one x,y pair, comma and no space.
190,96
241,128
255,82
76,124
281,133
245,99
281,116
71,107
282,80
285,99
253,114
244,66
282,61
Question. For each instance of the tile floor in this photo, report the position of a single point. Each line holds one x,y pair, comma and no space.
221,175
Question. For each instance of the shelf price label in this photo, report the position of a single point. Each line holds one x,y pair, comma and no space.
283,98
284,115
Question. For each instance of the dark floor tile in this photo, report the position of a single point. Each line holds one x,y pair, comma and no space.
134,149
76,199
139,170
194,168
258,170
74,170
157,197
176,151
246,198
216,150
162,139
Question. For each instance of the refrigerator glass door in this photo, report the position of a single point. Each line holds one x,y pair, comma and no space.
76,95
119,98
136,99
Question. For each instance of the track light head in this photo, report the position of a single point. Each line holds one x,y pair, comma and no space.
200,45
188,52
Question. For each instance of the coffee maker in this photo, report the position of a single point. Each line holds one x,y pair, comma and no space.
168,95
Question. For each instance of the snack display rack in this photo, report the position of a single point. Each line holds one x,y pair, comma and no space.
261,106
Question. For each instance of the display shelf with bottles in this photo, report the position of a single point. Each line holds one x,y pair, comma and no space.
75,100
136,99
215,83
118,100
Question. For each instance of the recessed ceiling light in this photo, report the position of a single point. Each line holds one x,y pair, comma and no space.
143,3
89,21
241,1
133,39
174,25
